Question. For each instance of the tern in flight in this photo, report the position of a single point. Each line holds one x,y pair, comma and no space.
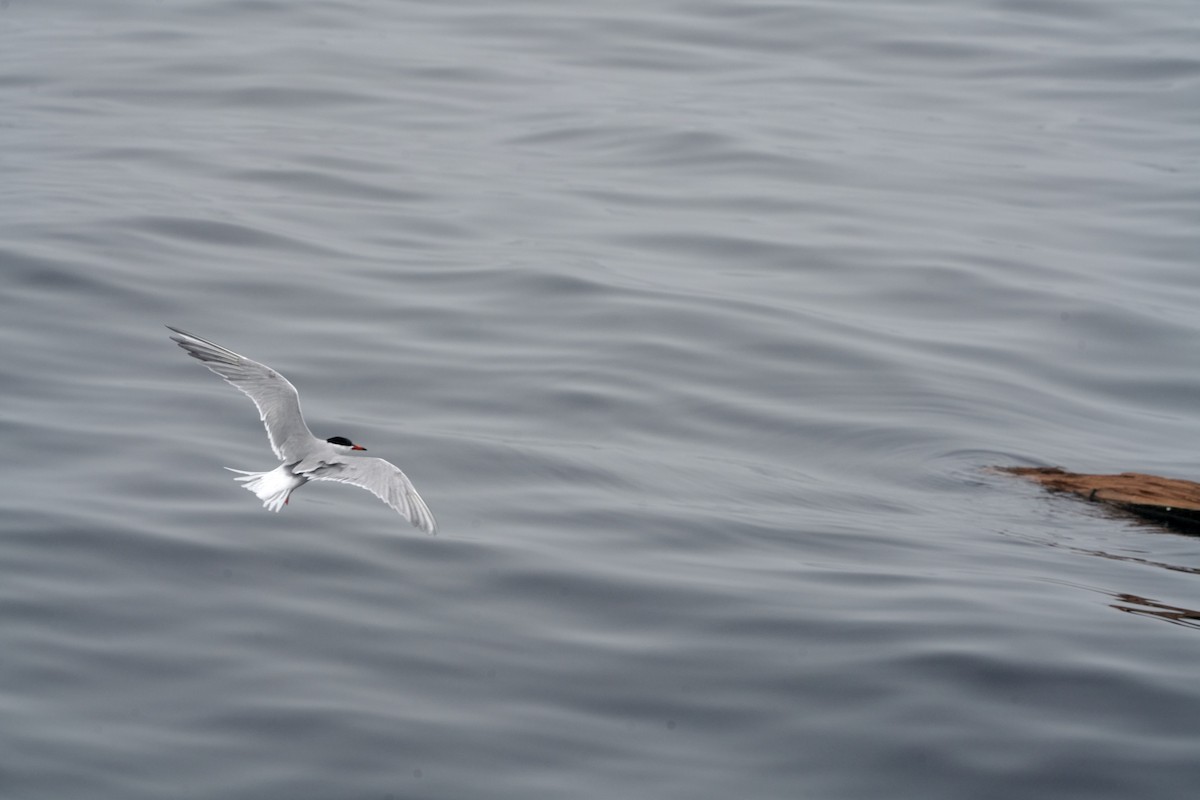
305,457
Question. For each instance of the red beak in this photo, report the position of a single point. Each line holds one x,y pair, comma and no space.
358,447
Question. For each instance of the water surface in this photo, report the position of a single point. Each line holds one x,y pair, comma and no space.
697,324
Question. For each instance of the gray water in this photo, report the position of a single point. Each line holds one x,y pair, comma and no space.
697,324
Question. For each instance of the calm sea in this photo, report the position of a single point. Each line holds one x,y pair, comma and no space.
697,324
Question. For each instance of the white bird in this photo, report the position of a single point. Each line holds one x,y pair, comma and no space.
305,457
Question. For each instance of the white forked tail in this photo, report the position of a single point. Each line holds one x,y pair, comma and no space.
273,487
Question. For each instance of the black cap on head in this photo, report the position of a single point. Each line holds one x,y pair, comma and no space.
342,440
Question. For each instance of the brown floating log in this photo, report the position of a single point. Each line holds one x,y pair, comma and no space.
1175,502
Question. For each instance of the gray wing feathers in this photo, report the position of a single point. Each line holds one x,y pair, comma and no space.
384,480
277,400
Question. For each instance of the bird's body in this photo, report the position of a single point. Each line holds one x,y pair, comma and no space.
305,457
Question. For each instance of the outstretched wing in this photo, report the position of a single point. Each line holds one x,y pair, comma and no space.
276,398
385,480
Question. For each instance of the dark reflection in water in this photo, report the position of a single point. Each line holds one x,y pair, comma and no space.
1138,560
1143,607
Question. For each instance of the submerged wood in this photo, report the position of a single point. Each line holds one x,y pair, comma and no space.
1170,500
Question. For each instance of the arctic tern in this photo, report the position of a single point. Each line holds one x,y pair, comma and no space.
305,457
